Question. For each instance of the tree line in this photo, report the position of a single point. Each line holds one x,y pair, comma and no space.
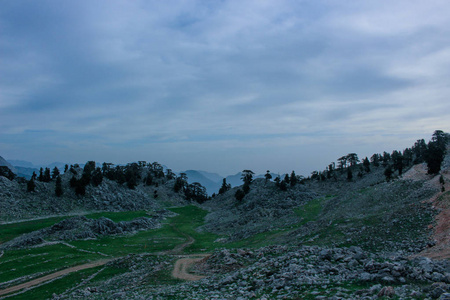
431,153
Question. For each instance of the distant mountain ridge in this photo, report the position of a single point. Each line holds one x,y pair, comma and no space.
4,162
23,168
213,181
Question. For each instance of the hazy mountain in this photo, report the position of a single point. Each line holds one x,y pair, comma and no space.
25,168
26,172
21,163
199,176
212,176
235,180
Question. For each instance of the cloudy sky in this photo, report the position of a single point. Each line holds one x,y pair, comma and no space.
221,85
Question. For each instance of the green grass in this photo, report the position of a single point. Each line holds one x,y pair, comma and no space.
306,213
188,219
36,262
13,230
311,210
42,260
57,286
258,240
156,240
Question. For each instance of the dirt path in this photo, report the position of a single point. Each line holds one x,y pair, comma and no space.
440,201
52,276
180,270
179,248
182,266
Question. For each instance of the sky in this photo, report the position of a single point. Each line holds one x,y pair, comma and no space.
221,86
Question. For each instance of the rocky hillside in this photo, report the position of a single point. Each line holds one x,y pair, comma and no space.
277,272
358,231
17,203
264,208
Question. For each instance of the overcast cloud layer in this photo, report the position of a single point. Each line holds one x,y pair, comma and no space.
221,85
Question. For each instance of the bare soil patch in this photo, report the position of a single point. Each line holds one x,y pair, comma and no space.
182,266
48,277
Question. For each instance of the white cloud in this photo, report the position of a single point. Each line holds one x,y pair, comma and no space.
253,77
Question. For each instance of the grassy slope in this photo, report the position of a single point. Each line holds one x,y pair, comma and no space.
328,220
38,261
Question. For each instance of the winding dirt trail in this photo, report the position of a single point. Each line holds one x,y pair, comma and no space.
180,270
182,266
441,202
52,276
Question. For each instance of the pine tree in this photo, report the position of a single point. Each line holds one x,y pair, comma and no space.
41,174
225,187
31,185
55,172
239,195
283,185
293,180
435,154
97,177
366,165
349,174
47,176
58,187
268,176
388,172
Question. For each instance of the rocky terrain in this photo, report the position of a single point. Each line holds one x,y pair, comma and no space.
264,209
80,227
363,237
281,272
16,203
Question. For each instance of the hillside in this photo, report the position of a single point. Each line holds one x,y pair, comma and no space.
333,235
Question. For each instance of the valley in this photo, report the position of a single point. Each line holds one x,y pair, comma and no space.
328,236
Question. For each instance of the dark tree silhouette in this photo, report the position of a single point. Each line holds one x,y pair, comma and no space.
97,177
342,162
41,174
277,180
388,172
195,191
366,165
58,187
419,150
47,176
349,174
31,185
169,174
293,179
225,186
149,179
55,172
239,195
247,177
268,176
375,159
353,159
436,151
283,185
397,160
180,183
